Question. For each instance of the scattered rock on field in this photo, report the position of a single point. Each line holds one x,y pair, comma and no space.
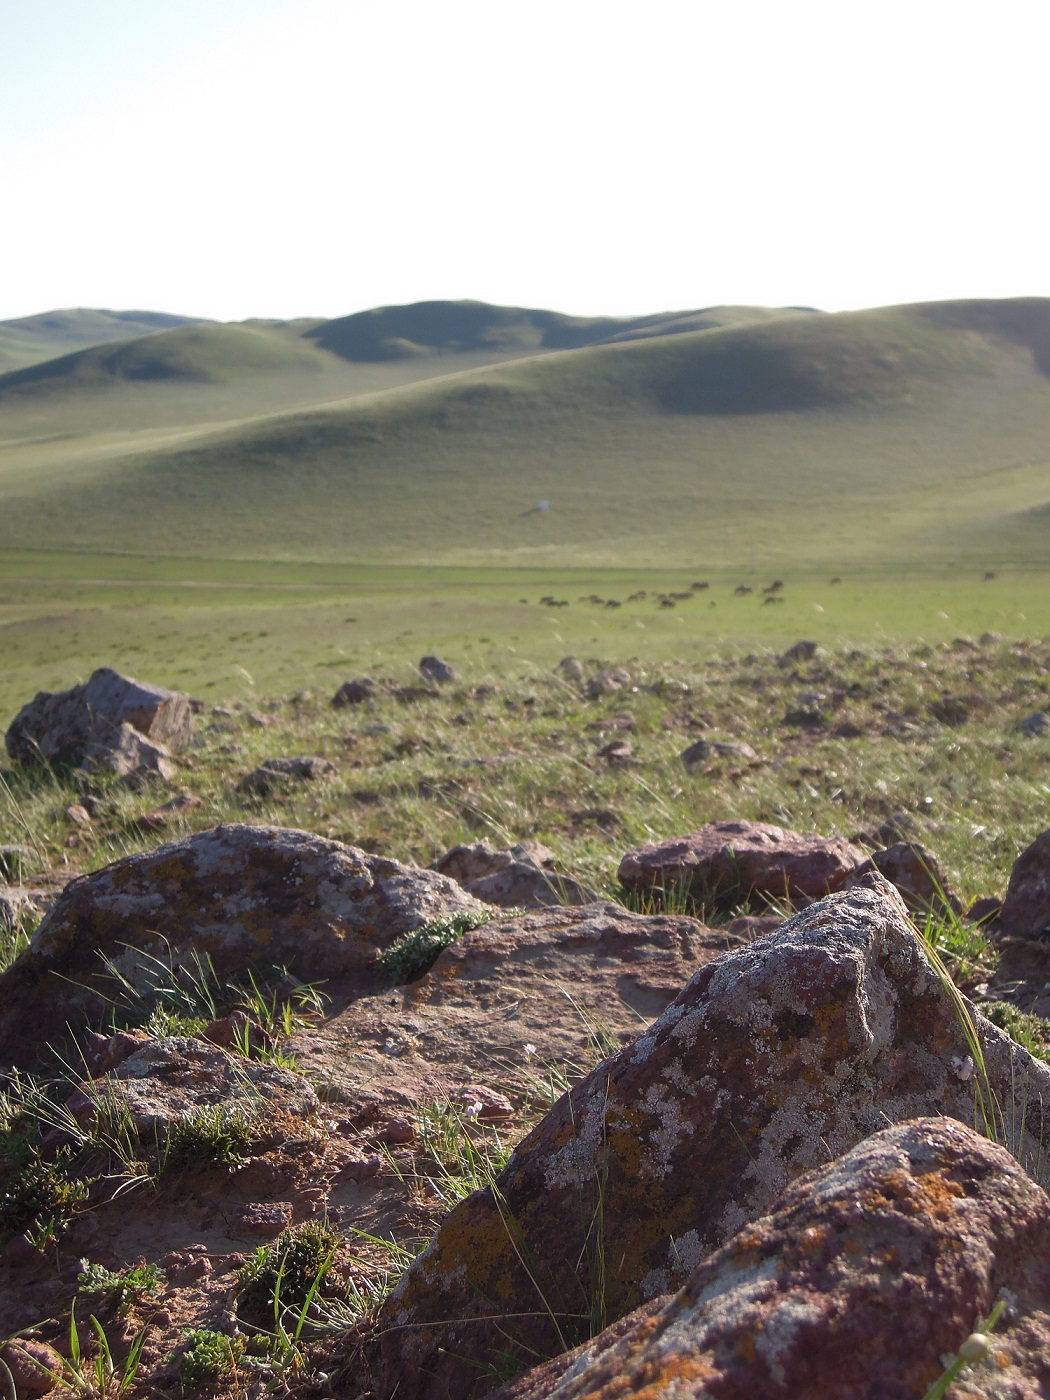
1026,908
772,1058
724,859
16,906
243,895
521,877
801,1302
705,751
79,815
160,817
801,651
985,910
1035,725
607,682
914,871
61,726
432,668
901,826
570,668
277,772
354,692
133,757
616,751
261,1218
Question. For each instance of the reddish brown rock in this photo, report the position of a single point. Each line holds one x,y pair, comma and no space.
354,692
1026,908
521,877
773,1058
261,1218
242,895
914,872
732,860
62,726
35,1367
867,1272
168,813
506,999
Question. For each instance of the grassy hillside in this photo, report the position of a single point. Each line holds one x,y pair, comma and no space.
32,339
906,434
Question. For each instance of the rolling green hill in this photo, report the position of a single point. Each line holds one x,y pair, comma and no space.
431,433
29,340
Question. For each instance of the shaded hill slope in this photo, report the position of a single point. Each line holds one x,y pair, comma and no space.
905,433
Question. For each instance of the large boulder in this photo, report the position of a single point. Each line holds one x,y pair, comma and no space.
865,1275
737,859
517,877
244,896
773,1058
131,756
67,726
1026,908
503,1002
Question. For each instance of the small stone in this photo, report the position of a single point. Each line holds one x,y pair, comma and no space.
1035,725
354,692
261,1218
78,814
801,651
489,1106
362,1168
432,668
35,1367
985,910
570,668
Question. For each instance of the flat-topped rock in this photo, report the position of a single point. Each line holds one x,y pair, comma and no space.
524,876
738,859
245,896
505,1000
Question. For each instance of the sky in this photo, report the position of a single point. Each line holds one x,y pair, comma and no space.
283,158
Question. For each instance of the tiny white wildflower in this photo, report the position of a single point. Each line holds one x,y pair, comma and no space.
963,1067
529,1049
473,1110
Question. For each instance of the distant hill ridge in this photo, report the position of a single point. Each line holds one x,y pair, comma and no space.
431,431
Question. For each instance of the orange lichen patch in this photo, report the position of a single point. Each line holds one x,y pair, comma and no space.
813,1239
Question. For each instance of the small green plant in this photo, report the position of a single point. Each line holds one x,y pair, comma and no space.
463,1155
409,956
44,1196
121,1288
1033,1032
288,1269
211,1356
99,1377
976,1347
215,1135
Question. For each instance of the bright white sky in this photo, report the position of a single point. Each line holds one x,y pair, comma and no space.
235,158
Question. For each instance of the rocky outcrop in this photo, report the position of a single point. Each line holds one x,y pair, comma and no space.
773,1058
737,860
519,877
867,1272
67,726
506,1000
1026,908
245,896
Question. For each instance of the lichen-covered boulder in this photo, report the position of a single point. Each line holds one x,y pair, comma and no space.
131,756
865,1275
1026,908
737,859
772,1059
64,726
243,895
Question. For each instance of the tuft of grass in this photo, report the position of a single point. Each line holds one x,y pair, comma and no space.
43,1196
215,1135
1032,1032
409,956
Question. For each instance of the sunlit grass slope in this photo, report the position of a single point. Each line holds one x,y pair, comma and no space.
910,434
30,339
